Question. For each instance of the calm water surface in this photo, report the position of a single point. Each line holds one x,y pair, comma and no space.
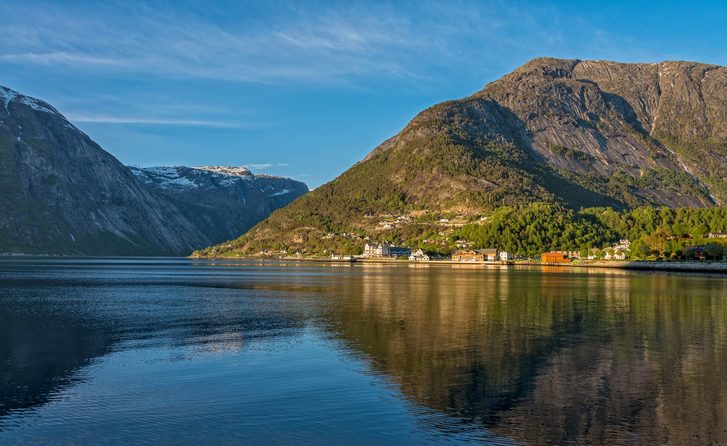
150,351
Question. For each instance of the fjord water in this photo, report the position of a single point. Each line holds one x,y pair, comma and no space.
175,351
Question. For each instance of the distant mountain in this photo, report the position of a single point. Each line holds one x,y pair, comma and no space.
60,193
224,202
577,133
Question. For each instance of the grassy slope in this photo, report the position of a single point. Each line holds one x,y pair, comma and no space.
440,173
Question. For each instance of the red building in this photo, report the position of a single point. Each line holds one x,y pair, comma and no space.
555,257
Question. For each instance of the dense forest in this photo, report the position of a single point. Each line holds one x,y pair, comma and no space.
524,230
535,228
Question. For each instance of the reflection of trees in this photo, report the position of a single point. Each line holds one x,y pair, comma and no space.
550,357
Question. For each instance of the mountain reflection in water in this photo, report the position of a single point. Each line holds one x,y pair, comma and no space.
258,352
550,357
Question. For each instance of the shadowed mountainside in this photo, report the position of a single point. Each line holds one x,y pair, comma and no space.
61,193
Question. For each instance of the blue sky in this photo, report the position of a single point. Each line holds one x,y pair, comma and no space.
301,88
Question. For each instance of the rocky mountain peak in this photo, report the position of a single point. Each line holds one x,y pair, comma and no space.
575,132
9,96
547,67
240,171
61,193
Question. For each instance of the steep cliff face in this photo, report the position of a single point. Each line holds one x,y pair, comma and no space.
60,193
660,129
635,119
581,133
63,194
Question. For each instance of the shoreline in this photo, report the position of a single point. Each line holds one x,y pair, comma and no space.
645,265
638,265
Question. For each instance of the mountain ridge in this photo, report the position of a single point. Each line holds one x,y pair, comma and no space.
566,131
62,194
223,201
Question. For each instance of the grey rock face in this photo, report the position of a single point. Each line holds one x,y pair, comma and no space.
60,193
661,126
629,118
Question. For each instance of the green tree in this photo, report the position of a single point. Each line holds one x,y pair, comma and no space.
714,251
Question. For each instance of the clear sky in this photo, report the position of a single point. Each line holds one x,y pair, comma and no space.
300,88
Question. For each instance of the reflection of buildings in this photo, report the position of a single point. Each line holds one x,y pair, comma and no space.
579,357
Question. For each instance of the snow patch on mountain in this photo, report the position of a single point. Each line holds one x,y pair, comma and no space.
182,177
229,180
226,180
240,171
165,177
8,96
36,105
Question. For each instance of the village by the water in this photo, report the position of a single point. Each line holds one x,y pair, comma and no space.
465,252
385,251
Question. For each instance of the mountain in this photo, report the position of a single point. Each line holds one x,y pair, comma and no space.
222,201
61,193
570,132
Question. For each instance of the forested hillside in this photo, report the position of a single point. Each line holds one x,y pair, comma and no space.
569,134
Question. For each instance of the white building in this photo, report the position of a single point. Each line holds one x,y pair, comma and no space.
377,250
505,256
490,255
623,245
618,252
617,255
419,256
